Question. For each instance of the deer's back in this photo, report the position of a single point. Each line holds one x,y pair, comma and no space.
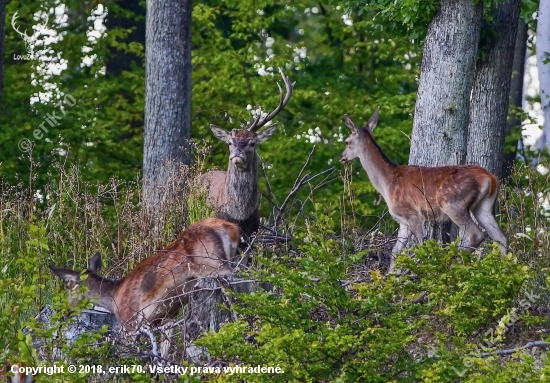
430,189
202,250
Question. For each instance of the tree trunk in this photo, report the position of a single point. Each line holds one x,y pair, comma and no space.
513,125
439,135
491,91
543,55
167,100
441,113
209,310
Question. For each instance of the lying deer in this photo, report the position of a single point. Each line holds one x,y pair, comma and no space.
235,193
416,194
156,289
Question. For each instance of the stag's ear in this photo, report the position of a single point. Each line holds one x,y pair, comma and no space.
94,264
266,134
373,120
66,274
221,134
351,125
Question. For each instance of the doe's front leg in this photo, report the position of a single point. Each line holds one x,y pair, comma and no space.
403,235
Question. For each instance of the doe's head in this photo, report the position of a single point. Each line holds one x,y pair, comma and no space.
242,143
354,140
74,280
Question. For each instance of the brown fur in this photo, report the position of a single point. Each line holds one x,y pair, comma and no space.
416,194
18,377
156,288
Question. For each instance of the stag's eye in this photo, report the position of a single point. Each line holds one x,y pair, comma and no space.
251,144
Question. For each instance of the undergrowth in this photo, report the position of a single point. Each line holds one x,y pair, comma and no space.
328,315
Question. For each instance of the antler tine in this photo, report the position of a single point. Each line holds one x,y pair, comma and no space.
283,100
255,120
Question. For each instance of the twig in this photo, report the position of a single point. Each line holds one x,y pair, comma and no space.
146,331
297,185
511,351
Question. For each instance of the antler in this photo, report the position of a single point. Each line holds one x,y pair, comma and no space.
258,122
23,34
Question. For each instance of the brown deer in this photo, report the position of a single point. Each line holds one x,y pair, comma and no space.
235,193
156,289
416,194
15,373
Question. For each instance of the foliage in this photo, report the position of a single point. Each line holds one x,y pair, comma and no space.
236,49
97,124
341,64
317,330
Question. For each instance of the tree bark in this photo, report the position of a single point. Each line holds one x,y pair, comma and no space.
491,91
513,124
439,135
441,114
543,54
168,98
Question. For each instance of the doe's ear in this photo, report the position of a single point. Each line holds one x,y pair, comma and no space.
266,134
350,124
373,120
220,133
65,274
94,264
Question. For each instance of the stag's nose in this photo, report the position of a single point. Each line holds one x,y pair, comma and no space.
237,158
343,159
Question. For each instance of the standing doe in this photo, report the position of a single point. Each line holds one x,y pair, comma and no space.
235,193
156,289
416,194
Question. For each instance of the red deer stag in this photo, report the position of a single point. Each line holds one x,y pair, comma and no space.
416,194
235,193
156,289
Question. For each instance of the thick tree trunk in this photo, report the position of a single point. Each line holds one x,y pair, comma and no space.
543,55
168,98
491,91
441,113
513,124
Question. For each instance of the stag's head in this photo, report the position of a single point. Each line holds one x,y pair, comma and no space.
355,139
74,280
243,142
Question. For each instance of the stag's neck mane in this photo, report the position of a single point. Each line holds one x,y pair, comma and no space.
378,167
241,190
105,290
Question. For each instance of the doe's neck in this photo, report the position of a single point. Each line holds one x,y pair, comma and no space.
378,167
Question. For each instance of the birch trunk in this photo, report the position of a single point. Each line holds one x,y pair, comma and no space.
491,91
